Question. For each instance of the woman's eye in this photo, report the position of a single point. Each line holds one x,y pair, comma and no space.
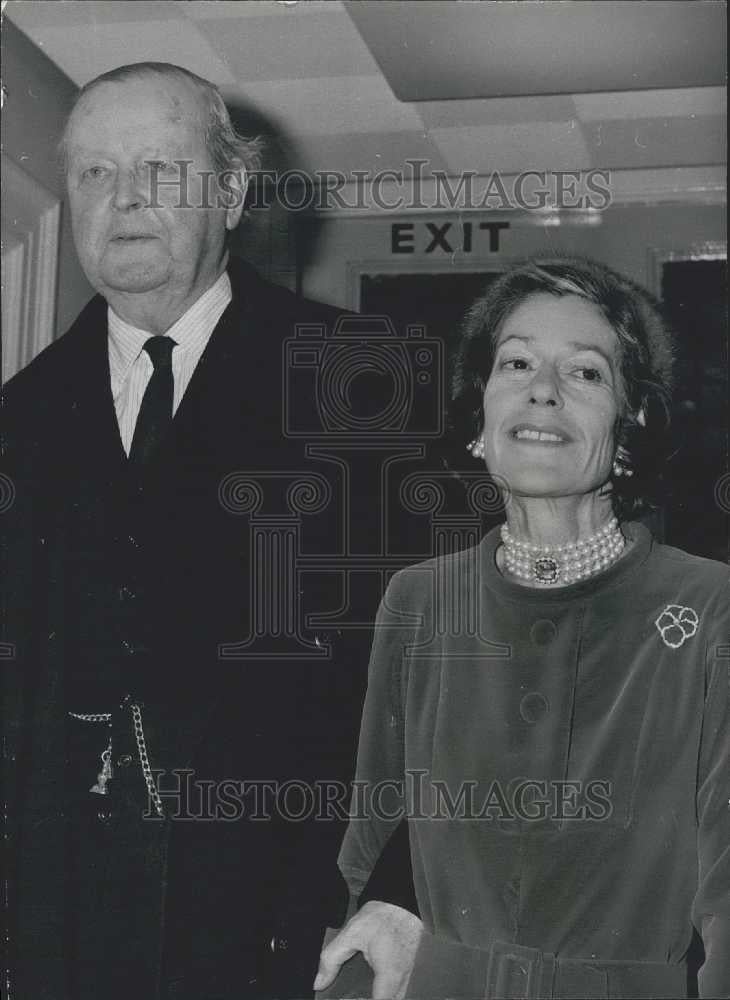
590,374
515,364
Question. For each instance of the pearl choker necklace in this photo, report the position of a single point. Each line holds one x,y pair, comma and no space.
563,563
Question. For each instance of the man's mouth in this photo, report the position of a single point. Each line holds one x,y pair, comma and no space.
132,237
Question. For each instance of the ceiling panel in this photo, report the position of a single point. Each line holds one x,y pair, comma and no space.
303,74
206,10
107,44
319,45
512,148
332,105
498,110
672,103
655,142
30,14
428,51
374,152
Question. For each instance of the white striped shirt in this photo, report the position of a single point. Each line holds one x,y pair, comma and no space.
131,368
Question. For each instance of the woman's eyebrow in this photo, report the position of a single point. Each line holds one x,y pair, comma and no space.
515,336
580,345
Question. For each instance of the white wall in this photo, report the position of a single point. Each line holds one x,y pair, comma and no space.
38,97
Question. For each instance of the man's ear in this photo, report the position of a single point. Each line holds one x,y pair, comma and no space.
234,184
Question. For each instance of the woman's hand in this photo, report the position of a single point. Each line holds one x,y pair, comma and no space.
388,937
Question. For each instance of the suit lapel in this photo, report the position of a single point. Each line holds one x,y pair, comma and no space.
94,425
226,383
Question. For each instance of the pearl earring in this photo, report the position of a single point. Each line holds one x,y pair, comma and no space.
476,447
621,465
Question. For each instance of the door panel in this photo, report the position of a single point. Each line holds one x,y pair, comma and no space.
31,217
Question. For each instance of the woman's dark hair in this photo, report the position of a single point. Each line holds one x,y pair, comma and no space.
646,351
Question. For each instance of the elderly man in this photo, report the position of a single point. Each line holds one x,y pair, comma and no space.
131,566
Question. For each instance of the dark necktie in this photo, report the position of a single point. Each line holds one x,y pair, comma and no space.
155,413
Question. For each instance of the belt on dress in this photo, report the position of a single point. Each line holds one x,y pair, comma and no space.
510,971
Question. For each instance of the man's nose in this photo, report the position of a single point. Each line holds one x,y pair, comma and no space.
128,193
545,387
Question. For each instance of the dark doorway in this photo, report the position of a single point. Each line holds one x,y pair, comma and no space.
436,301
698,489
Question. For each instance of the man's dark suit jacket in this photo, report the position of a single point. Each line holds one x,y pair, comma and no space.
122,586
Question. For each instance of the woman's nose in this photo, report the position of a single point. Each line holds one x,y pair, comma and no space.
545,387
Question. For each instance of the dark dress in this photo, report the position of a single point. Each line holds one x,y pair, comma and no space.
562,756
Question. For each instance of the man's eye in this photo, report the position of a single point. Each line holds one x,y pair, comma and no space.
94,173
159,165
515,364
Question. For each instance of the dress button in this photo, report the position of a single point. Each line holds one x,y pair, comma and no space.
543,632
278,944
533,706
125,760
126,594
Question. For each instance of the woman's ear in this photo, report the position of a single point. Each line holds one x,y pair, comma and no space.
641,417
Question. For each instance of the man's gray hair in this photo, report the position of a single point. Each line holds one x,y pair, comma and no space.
228,149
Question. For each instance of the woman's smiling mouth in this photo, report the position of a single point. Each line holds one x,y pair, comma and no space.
538,435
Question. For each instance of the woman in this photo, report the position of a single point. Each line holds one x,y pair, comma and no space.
550,709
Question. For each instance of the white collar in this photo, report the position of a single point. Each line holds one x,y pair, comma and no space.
126,341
